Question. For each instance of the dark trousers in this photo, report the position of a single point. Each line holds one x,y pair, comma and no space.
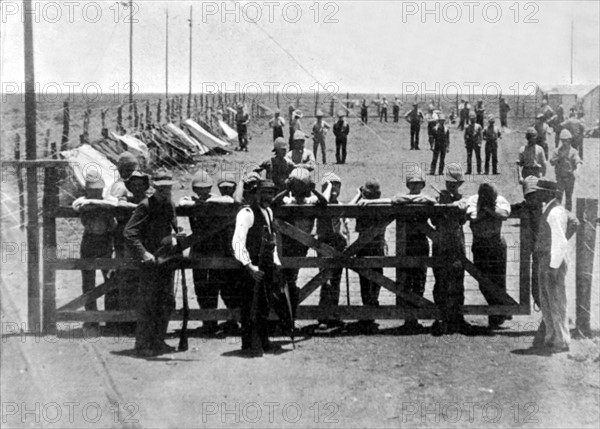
489,255
438,152
156,302
340,150
580,147
491,152
330,290
566,184
503,121
430,134
277,132
364,116
255,334
416,245
473,148
396,114
291,248
479,119
243,137
414,135
94,246
449,288
369,290
383,115
316,144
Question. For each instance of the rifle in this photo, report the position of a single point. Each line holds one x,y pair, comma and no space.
183,335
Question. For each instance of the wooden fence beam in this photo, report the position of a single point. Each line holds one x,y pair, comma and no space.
587,213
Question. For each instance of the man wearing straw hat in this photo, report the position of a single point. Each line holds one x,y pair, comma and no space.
151,227
491,135
319,134
532,160
295,125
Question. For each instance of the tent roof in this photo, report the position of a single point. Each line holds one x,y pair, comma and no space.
579,90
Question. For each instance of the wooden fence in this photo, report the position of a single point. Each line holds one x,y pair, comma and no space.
409,304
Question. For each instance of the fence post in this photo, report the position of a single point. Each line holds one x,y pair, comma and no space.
587,213
525,250
49,254
66,121
120,120
20,185
400,253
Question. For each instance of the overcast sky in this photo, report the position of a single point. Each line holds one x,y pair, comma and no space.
372,46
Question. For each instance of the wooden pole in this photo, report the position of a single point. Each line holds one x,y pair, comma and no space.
190,84
20,184
168,111
33,242
587,213
120,120
136,117
167,61
130,60
148,118
66,121
159,113
316,101
278,106
50,203
47,144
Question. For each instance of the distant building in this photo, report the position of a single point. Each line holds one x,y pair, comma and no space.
585,97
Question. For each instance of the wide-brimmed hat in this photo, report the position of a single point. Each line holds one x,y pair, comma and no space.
202,180
491,118
540,116
226,183
530,132
319,113
472,115
301,174
280,143
297,113
454,173
162,177
415,177
529,184
331,177
299,135
266,184
441,117
250,182
565,134
93,181
138,175
545,185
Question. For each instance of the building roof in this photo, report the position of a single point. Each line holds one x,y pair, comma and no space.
578,90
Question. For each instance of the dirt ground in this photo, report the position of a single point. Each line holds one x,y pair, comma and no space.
77,379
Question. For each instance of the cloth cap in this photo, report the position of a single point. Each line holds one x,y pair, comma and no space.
565,134
371,188
546,185
472,115
415,176
299,135
319,113
93,181
279,143
529,185
226,183
415,104
201,180
530,132
331,177
127,159
301,174
454,173
163,177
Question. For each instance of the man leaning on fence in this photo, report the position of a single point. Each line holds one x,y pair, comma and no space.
151,228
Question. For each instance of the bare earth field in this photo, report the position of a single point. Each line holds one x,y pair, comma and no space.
383,380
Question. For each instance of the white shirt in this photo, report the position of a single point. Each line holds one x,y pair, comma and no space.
243,222
557,219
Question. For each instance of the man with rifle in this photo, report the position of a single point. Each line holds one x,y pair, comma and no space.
152,224
254,247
